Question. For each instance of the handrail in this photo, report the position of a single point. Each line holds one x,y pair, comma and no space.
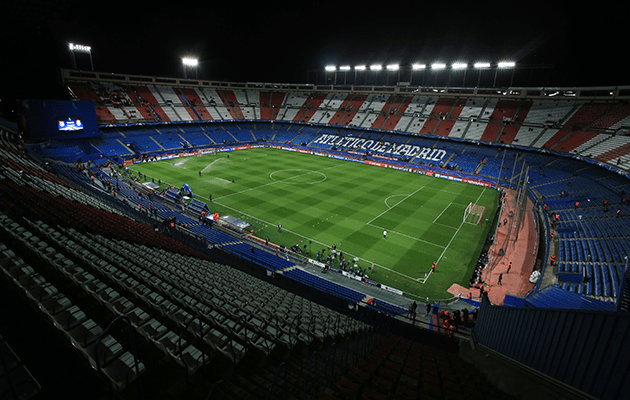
332,350
310,329
264,330
220,383
297,318
232,338
328,318
307,389
132,343
179,343
344,355
282,367
5,367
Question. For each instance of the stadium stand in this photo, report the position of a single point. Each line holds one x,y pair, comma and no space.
97,266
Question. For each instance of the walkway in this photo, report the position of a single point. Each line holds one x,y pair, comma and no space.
521,252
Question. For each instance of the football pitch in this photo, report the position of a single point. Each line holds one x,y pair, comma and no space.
321,201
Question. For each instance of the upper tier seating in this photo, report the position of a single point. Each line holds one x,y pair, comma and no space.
574,126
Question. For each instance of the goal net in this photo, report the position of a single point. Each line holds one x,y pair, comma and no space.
473,214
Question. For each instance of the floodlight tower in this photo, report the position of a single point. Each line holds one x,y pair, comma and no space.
460,66
393,68
504,65
481,66
189,62
330,68
80,48
418,67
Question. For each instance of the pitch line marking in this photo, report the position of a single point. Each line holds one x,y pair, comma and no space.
315,241
407,236
445,208
452,238
280,181
393,195
406,197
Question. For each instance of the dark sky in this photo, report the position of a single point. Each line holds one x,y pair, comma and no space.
280,42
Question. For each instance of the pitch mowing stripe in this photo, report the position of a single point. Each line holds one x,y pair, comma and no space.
455,234
337,209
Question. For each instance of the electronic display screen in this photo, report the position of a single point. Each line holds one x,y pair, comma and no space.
69,124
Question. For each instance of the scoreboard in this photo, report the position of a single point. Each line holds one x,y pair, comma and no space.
43,120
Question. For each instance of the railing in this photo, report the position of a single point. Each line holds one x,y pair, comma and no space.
238,321
309,388
297,321
179,344
281,368
132,344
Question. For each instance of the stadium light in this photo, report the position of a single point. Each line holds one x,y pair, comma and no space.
480,66
344,68
190,62
504,65
330,68
393,67
459,65
418,66
376,67
80,48
360,67
507,64
438,66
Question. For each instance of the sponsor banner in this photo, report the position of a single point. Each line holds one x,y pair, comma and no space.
315,262
235,148
449,177
339,157
391,289
356,278
478,183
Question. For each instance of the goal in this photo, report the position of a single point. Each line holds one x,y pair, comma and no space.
474,213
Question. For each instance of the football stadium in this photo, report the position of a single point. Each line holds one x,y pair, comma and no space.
171,237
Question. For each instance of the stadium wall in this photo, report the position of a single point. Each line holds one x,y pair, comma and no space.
585,349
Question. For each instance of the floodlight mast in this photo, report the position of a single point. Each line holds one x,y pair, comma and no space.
81,49
189,62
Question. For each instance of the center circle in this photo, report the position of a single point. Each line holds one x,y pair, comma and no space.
298,176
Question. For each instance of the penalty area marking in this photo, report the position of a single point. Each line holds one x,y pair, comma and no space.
393,195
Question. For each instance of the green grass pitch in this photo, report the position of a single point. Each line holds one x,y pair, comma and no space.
322,201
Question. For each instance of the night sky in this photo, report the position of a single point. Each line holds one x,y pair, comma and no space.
281,42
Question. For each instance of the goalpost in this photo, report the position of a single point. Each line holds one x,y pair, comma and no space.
474,213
